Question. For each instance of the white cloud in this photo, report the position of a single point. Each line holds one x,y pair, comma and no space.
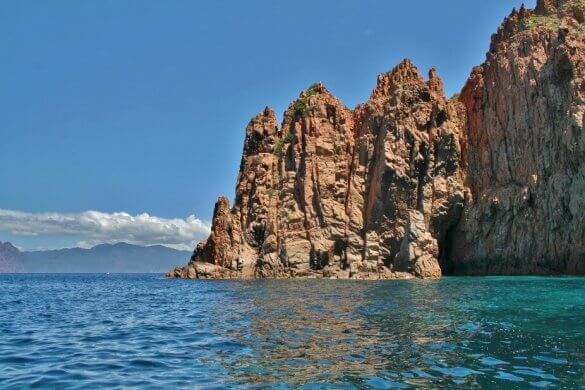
94,227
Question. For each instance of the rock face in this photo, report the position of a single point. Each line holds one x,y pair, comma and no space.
419,250
407,157
410,183
338,193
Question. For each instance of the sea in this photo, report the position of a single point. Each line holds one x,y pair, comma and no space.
87,331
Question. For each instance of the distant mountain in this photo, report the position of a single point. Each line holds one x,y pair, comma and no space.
115,258
8,257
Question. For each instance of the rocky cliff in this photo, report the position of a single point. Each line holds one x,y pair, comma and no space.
410,183
525,159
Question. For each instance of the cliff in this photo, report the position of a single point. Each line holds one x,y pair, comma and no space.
410,183
526,148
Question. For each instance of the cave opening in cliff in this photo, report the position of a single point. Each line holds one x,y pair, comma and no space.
318,259
445,246
258,233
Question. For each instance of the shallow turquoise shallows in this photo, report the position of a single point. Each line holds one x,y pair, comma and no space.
142,331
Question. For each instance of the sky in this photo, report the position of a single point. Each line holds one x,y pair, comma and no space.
123,120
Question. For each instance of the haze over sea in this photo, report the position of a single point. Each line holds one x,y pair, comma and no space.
128,331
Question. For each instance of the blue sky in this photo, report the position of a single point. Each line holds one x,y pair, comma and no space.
140,106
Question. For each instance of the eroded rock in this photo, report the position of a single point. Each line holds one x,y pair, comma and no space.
419,251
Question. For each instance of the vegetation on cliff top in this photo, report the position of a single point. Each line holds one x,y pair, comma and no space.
540,21
553,20
573,5
300,106
298,109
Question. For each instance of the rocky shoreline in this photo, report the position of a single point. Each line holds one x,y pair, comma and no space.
413,184
200,270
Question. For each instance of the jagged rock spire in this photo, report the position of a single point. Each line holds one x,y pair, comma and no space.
546,7
260,133
435,83
405,72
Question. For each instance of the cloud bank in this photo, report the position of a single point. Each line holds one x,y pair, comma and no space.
94,227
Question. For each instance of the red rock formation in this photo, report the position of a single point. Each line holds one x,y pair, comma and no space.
412,184
313,179
331,191
406,158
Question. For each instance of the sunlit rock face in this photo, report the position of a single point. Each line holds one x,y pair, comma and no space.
526,148
406,158
411,184
330,192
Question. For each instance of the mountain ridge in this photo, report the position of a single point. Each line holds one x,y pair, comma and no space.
119,257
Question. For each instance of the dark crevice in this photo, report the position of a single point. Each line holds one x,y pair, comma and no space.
423,169
445,246
316,198
424,95
258,233
441,118
319,259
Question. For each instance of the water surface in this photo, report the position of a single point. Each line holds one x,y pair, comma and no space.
141,331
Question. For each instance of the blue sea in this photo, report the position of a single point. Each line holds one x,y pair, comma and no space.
142,331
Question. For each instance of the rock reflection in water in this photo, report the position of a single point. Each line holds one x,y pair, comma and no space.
337,332
315,335
389,334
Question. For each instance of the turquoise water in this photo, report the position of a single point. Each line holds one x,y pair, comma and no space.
141,331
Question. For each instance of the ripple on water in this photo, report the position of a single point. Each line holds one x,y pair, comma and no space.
541,384
380,383
490,361
548,359
508,376
454,371
533,372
